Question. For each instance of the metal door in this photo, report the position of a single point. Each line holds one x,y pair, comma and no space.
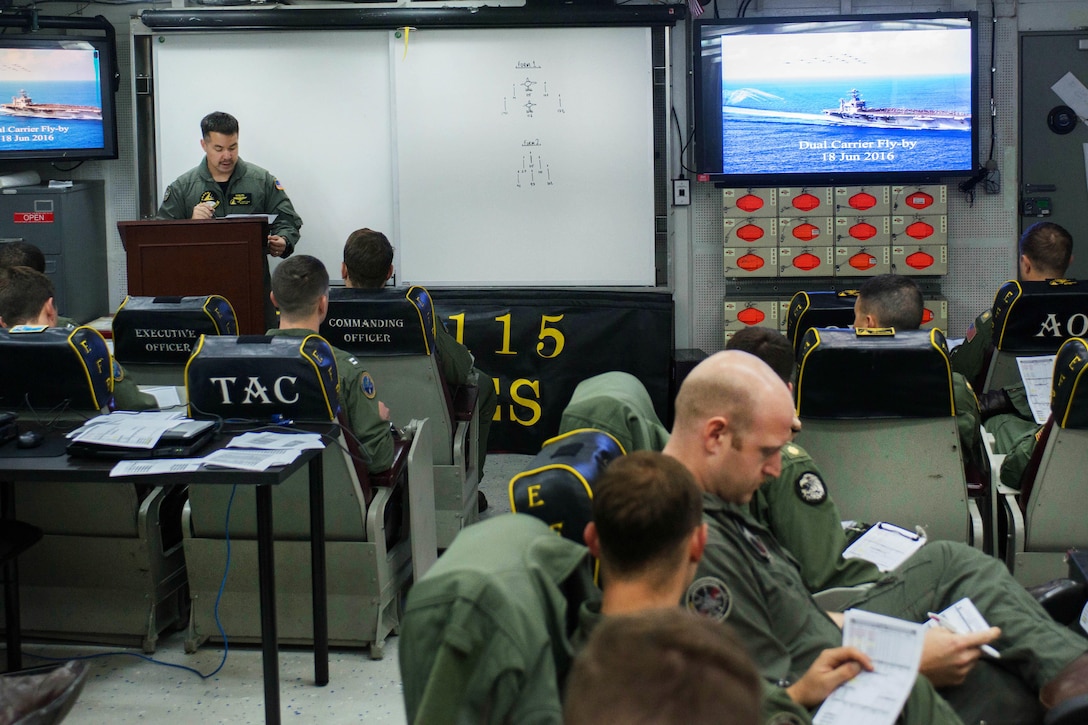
1052,164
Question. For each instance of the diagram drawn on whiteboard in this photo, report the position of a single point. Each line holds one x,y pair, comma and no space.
531,100
530,96
534,170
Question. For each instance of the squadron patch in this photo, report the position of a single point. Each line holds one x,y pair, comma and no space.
209,196
709,597
166,195
366,384
240,199
118,372
810,489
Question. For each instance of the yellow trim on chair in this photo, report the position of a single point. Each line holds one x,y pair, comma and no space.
549,467
196,349
207,304
1076,381
83,362
797,400
569,433
317,370
419,312
1019,294
943,350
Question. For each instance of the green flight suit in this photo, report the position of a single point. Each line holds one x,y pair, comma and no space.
1018,456
457,369
747,579
250,190
797,508
970,357
127,394
359,400
484,637
778,708
617,403
968,418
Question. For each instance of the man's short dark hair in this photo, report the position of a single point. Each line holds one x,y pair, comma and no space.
662,666
1049,247
299,283
645,506
22,254
894,300
218,122
23,293
368,256
770,346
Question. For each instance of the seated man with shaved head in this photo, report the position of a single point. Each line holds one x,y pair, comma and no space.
733,416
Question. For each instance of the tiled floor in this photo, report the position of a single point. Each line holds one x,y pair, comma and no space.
127,689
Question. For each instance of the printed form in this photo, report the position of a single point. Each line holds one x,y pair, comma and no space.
877,697
885,545
1036,372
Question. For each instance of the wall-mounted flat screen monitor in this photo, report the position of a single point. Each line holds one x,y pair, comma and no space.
836,99
56,98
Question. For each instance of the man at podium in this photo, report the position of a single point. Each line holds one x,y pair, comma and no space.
223,184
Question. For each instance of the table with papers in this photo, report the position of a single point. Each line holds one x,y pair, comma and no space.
228,462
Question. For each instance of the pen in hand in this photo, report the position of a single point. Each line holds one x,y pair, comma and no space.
951,627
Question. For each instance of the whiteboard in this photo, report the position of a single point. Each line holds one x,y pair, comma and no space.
449,143
525,157
312,108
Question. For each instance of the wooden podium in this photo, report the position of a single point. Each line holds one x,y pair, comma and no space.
201,257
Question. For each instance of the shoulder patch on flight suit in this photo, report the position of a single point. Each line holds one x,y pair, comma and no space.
166,195
209,196
366,384
279,184
792,449
240,199
118,372
810,488
709,597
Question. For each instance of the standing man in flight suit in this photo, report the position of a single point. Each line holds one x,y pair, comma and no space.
224,184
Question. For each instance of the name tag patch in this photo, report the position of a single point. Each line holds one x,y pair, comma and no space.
240,199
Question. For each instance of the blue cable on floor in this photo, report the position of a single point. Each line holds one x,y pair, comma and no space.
218,623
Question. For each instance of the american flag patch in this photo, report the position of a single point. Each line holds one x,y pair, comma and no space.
279,185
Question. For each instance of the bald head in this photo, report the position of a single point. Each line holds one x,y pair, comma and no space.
730,383
733,414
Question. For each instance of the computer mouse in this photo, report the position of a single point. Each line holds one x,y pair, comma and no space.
29,439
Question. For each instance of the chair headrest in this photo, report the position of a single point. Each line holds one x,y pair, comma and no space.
260,377
45,367
162,330
818,309
1069,389
874,373
381,322
1036,317
557,484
